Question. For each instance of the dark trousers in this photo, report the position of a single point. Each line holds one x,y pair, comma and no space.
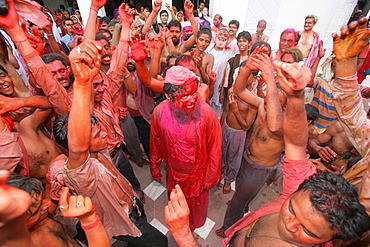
250,179
123,165
150,237
143,127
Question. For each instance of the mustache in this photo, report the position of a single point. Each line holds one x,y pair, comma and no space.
62,79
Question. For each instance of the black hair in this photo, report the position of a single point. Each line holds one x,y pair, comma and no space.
100,36
60,129
235,22
31,185
337,200
184,58
244,34
3,69
312,112
104,19
112,23
104,30
205,30
174,23
260,43
173,54
66,19
172,90
51,57
163,11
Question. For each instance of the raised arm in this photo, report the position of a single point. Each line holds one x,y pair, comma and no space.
157,5
274,112
347,97
189,9
139,53
85,63
156,45
90,29
14,103
119,57
293,81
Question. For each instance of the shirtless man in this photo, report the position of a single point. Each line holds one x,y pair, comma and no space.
38,149
236,120
262,158
259,35
339,151
204,60
308,43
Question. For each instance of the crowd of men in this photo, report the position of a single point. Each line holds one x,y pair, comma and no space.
206,101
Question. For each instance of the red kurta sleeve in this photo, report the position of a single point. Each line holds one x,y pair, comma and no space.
214,142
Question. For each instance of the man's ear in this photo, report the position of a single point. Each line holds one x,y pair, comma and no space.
45,204
167,97
309,122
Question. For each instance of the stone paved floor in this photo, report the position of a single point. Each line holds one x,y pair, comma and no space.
156,200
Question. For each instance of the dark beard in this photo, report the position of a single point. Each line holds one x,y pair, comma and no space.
176,42
182,116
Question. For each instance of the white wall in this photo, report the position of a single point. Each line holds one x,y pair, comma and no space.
282,14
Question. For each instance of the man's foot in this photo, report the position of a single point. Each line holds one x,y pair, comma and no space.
227,188
220,232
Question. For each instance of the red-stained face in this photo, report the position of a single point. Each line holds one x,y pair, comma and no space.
216,20
187,99
300,223
106,52
38,210
98,84
287,40
60,73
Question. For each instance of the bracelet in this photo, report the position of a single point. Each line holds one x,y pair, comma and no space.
94,10
348,78
92,225
127,76
22,41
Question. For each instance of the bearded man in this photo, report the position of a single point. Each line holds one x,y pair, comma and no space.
186,133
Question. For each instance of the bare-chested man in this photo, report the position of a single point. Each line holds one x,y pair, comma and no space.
309,41
236,120
259,35
339,151
263,155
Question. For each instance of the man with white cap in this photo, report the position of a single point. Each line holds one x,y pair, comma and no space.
186,133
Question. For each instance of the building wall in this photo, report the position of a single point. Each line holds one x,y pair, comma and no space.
282,14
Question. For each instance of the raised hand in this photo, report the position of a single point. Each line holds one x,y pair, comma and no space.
97,4
138,48
35,39
126,14
85,61
13,202
293,78
198,59
259,50
263,63
321,52
155,42
176,213
188,7
353,38
157,5
11,19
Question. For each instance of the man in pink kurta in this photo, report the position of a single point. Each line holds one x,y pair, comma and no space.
186,133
